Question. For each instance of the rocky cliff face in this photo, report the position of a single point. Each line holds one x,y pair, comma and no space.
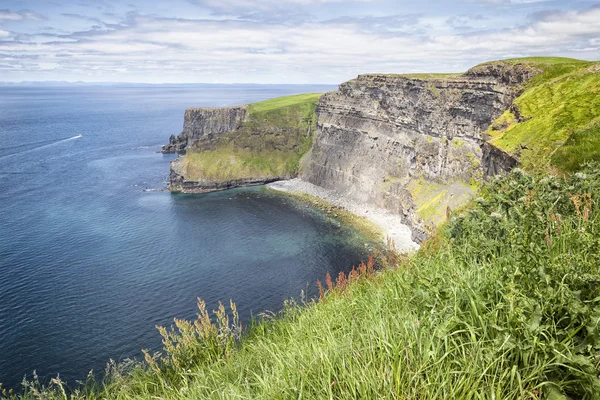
205,124
409,145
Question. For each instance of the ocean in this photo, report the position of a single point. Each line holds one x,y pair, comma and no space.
94,253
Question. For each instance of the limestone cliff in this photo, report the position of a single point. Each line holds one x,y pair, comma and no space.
205,124
242,146
413,146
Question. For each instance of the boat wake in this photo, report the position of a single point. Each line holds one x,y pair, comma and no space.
36,146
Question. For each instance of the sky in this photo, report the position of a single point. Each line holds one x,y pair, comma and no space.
281,41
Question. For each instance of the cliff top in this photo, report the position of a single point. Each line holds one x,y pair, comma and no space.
285,101
269,143
539,63
269,104
555,122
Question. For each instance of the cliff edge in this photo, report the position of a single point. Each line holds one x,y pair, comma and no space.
242,146
414,145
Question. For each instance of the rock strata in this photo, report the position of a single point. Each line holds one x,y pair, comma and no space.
205,124
388,140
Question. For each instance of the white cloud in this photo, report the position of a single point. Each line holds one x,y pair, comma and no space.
149,48
7,15
509,1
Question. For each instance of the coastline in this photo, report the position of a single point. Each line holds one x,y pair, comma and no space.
388,223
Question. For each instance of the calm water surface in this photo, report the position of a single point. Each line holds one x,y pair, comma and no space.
91,261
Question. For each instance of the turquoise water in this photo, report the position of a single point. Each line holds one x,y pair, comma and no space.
92,257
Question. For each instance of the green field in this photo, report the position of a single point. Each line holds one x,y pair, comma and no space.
559,113
270,144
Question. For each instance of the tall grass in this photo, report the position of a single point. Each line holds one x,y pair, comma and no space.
503,304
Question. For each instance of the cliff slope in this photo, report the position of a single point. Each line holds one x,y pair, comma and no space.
555,123
414,145
241,146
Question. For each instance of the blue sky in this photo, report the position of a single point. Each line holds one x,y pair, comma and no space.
270,41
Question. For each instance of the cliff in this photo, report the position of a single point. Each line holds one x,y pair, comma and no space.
242,146
205,124
410,145
418,145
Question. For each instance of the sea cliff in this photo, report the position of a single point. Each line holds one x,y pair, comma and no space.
204,125
413,145
417,146
242,146
410,144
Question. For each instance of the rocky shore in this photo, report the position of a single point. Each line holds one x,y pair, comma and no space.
390,223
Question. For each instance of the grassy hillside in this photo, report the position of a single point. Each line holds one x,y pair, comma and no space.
504,304
555,123
271,143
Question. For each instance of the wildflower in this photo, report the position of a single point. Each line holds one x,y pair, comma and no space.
580,175
329,282
321,290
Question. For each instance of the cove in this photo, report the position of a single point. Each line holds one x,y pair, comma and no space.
93,255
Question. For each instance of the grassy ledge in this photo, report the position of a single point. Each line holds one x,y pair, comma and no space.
554,123
270,144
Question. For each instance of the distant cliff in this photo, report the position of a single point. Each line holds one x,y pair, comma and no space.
205,124
242,146
415,145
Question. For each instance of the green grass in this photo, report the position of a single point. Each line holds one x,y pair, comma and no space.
285,101
229,162
504,303
560,103
550,61
270,144
582,145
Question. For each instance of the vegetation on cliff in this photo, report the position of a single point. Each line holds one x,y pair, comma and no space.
270,144
504,303
555,122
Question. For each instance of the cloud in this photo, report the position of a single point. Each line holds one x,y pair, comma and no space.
407,24
4,34
232,49
7,15
465,21
82,17
509,1
236,6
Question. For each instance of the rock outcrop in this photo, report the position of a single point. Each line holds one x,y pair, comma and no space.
178,182
412,146
205,124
